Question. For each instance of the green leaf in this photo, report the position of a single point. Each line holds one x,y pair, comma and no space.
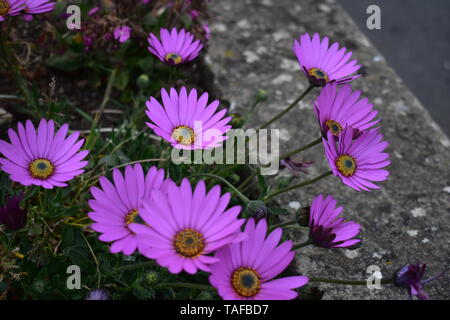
69,61
122,79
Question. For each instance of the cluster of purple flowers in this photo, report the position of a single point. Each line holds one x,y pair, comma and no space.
188,228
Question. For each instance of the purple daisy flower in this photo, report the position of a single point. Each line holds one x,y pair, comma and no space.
42,158
186,226
122,33
186,121
336,110
11,8
358,162
38,6
120,204
410,278
175,47
245,270
321,63
326,228
11,215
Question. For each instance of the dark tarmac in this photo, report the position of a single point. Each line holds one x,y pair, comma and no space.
415,40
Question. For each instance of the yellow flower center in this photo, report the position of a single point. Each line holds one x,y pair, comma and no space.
246,282
318,74
334,127
173,58
4,7
41,169
184,135
131,216
189,243
346,165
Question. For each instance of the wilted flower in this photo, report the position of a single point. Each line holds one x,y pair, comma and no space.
410,277
245,270
98,294
120,204
11,215
321,63
42,157
295,166
185,226
186,121
327,228
11,8
175,47
336,109
122,33
360,161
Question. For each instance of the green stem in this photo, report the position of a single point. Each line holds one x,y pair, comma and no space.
312,144
270,196
301,245
349,282
289,108
239,194
284,224
249,179
135,266
186,285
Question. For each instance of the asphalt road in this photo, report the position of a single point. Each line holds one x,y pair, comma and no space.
415,39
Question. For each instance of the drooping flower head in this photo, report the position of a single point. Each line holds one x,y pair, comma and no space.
360,161
245,270
321,63
122,33
295,166
98,294
11,215
336,109
410,277
118,205
187,122
185,226
41,157
326,228
175,47
11,8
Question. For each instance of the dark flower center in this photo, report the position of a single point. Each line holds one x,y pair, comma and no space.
173,58
41,169
346,165
246,282
184,135
131,216
334,127
189,243
318,74
4,7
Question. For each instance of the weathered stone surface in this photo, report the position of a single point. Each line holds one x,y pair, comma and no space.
408,219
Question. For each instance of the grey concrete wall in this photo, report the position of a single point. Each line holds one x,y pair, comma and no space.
408,219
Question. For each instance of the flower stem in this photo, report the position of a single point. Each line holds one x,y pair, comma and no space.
301,245
284,224
349,282
289,108
135,266
273,194
239,194
186,285
312,144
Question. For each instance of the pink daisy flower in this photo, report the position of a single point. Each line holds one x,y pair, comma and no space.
120,204
321,63
326,228
186,121
42,158
122,33
358,162
245,270
11,8
175,47
336,109
186,226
